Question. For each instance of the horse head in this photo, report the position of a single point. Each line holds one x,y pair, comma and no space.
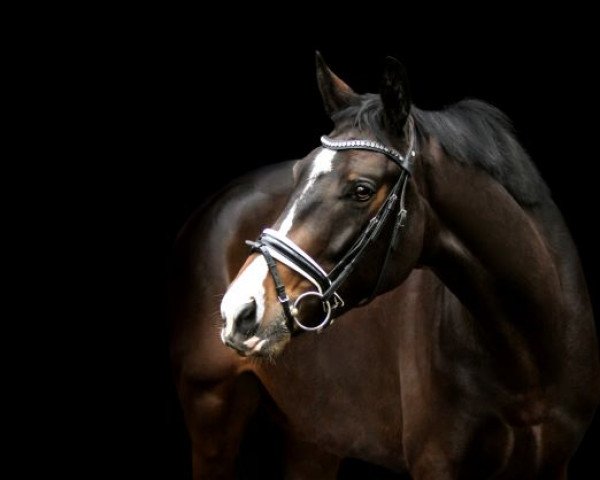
352,229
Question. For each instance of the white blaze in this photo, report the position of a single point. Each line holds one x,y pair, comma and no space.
244,289
249,285
322,163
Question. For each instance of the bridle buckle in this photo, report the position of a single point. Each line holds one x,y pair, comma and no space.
284,299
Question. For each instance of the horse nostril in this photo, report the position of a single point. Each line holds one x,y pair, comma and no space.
246,320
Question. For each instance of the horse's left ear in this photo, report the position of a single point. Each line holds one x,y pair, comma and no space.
334,91
395,95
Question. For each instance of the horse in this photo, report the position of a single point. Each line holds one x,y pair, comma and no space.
411,298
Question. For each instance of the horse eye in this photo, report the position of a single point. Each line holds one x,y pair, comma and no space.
363,192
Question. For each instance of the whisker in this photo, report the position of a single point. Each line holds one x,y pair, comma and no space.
215,318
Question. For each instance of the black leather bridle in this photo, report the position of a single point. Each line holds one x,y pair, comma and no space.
276,247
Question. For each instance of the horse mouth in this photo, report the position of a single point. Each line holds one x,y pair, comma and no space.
268,344
269,347
254,346
265,348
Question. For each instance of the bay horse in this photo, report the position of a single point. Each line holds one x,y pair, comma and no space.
464,343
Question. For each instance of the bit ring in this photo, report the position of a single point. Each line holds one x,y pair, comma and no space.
326,309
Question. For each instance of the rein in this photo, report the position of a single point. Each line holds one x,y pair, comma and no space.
275,247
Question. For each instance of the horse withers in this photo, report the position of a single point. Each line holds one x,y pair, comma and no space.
464,343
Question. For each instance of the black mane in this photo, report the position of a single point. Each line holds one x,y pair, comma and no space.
470,131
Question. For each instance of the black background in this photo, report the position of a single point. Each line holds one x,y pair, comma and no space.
179,110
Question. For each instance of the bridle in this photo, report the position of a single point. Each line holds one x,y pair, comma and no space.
276,247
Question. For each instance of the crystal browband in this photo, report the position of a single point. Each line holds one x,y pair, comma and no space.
405,162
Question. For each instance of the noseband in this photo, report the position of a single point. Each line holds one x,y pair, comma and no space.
276,247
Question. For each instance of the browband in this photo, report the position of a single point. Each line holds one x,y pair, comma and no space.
406,162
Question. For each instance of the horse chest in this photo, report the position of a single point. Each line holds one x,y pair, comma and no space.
352,407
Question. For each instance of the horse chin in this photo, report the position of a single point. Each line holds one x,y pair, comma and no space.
274,341
274,349
268,348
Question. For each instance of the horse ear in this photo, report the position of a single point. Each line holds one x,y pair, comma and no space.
395,95
336,94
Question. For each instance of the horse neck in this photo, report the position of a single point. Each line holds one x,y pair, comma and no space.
495,258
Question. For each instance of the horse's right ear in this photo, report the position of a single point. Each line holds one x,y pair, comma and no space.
336,94
395,95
